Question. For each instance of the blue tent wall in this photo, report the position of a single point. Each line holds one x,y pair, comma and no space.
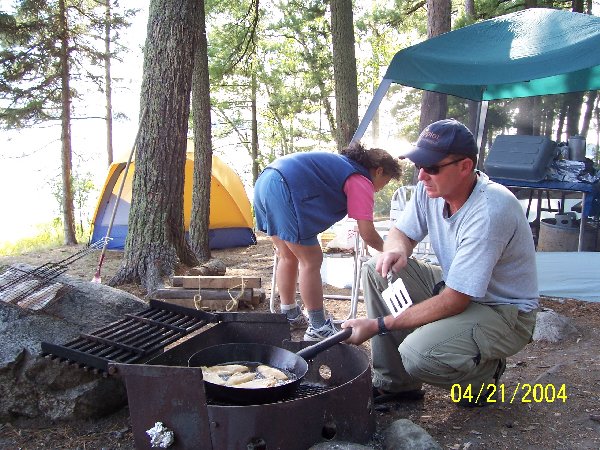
218,238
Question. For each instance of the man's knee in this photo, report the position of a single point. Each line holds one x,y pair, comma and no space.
434,367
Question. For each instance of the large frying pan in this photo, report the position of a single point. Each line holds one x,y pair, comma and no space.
293,363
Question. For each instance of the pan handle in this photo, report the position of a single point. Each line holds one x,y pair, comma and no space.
313,350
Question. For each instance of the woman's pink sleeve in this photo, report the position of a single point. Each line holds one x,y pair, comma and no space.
361,197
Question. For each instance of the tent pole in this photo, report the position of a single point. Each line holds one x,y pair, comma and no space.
372,109
482,108
97,278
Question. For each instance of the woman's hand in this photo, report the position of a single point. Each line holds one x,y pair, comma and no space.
362,330
368,233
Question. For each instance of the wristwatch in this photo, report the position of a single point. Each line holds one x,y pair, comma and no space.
382,328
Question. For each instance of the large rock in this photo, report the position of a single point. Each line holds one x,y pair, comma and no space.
552,327
406,435
32,386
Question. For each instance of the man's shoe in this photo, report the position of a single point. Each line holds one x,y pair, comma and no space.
299,322
499,371
381,396
318,334
490,394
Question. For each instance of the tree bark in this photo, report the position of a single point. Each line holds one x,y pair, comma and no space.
108,83
434,106
344,71
562,114
574,101
156,238
200,217
470,9
524,118
254,144
66,152
589,110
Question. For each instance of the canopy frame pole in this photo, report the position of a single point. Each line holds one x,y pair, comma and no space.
372,109
482,109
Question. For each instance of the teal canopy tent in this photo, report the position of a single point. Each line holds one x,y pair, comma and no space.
527,53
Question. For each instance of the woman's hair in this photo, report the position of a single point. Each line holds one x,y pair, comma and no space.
373,158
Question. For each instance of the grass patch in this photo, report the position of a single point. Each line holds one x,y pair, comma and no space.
50,235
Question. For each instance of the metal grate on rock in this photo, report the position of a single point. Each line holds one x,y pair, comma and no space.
134,339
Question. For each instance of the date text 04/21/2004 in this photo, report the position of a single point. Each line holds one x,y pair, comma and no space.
491,393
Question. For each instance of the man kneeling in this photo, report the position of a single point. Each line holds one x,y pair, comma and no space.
473,310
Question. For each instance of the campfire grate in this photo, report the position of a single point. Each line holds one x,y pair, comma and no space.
132,340
29,290
36,288
304,390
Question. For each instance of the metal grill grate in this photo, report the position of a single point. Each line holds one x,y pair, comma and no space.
134,339
36,288
304,390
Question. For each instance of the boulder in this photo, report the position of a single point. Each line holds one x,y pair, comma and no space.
406,435
552,327
37,387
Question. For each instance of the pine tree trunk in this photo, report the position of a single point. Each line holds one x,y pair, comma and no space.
434,106
589,110
561,122
524,118
156,238
254,144
108,84
200,217
66,152
574,101
344,71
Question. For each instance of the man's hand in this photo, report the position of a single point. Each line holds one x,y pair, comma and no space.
362,330
396,251
393,261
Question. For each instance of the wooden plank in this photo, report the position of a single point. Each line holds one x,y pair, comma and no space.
209,305
208,294
208,282
258,297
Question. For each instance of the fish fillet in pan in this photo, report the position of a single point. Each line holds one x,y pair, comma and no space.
225,369
271,372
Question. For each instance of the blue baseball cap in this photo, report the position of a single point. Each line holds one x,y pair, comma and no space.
440,139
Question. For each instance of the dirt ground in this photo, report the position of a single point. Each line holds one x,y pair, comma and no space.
560,411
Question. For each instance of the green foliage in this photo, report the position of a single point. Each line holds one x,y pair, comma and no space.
31,71
83,186
290,58
382,31
381,210
49,235
383,198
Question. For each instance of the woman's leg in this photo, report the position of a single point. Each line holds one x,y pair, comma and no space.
287,271
310,258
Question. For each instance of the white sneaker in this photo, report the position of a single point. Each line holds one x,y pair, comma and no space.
298,322
318,334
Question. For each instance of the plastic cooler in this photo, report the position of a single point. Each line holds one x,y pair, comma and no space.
520,157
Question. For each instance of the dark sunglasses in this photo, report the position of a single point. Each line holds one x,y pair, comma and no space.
434,170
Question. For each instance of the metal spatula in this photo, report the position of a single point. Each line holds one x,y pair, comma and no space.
396,296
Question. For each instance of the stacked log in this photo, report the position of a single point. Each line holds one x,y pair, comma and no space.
213,293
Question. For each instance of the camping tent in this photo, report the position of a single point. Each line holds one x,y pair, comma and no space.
527,53
230,223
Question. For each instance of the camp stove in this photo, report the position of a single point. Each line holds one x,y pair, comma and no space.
333,402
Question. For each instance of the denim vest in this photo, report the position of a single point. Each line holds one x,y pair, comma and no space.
316,184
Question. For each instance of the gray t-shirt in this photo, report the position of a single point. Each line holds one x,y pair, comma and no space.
485,249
